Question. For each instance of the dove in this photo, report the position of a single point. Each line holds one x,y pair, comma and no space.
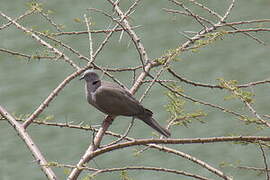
112,99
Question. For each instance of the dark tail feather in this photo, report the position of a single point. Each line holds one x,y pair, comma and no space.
154,124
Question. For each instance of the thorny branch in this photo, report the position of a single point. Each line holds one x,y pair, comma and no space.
122,24
265,161
40,159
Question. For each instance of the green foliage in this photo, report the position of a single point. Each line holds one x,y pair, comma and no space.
175,107
38,7
124,176
176,104
237,165
77,20
52,164
224,164
209,39
50,12
252,120
41,118
237,93
38,54
67,171
244,143
35,6
88,177
47,33
170,55
48,118
187,118
239,142
137,152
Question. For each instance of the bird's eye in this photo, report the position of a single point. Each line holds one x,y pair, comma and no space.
95,82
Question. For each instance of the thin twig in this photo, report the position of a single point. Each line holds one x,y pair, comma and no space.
198,18
136,40
254,112
124,135
145,168
129,168
46,16
41,41
153,82
265,162
201,102
189,13
92,31
247,103
253,168
243,22
18,18
248,30
212,12
51,96
91,149
155,146
227,12
26,55
90,40
247,85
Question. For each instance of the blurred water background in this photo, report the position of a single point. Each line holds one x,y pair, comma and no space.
25,84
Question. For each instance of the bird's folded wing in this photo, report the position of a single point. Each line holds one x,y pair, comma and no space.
117,101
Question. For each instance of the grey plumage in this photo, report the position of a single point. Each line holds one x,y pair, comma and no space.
112,99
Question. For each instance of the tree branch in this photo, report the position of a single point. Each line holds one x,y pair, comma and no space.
40,159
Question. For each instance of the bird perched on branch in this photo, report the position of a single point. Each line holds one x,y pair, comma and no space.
112,99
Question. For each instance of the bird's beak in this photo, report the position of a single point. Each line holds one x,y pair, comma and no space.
82,77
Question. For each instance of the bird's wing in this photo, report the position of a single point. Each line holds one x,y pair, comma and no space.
115,100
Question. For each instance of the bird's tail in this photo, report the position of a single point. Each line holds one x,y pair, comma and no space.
147,118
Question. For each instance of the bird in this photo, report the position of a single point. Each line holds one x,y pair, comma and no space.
112,99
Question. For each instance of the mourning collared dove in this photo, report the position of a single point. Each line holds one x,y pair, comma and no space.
112,99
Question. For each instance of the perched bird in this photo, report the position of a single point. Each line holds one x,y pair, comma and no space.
112,99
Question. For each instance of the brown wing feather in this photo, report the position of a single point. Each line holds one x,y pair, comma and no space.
115,100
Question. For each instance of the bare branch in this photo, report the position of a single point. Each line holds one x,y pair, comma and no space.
93,31
247,85
145,168
247,103
25,55
42,42
136,40
248,30
211,11
243,22
90,40
53,94
91,149
155,146
212,24
227,12
265,162
46,16
125,134
199,18
252,168
29,143
27,13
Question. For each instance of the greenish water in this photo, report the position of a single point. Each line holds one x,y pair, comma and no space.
25,84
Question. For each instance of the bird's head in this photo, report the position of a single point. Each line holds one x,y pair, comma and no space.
90,76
